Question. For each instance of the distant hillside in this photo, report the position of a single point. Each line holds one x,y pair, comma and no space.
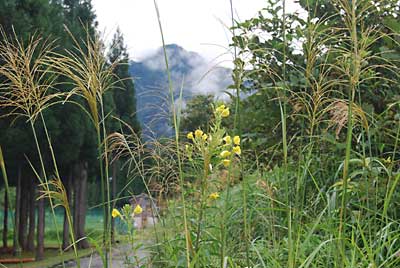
188,70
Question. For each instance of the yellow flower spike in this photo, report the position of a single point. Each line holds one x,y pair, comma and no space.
220,108
138,209
190,135
213,196
115,213
198,133
226,162
204,137
225,154
237,150
236,140
227,140
225,112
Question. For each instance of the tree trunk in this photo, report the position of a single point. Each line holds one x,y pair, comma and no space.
82,197
68,188
16,246
75,197
5,222
23,222
32,222
40,231
113,196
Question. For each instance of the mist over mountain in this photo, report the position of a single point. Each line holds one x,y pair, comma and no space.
189,72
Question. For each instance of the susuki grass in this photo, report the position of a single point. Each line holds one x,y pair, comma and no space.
30,71
91,78
27,93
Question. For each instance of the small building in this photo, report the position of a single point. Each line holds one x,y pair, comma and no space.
149,215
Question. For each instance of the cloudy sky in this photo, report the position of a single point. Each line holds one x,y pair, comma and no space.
199,26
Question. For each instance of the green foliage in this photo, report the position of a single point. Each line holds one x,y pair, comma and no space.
68,128
197,113
122,113
328,84
124,91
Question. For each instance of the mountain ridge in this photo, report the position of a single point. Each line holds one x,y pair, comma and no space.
188,70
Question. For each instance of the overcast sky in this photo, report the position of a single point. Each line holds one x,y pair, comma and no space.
196,25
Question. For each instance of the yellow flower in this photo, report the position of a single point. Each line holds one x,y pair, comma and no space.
198,133
227,140
220,108
225,154
204,137
138,209
190,135
236,140
225,112
226,162
115,213
237,150
213,196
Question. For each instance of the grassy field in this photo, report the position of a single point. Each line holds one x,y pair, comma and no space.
94,225
52,256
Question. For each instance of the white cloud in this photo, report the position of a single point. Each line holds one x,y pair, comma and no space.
199,26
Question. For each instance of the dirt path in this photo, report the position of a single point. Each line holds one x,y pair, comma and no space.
122,257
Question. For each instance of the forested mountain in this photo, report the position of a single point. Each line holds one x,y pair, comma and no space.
189,71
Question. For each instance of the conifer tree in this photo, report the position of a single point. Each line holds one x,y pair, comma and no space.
124,91
124,102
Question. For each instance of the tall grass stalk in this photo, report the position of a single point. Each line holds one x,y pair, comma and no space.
56,191
29,81
350,9
106,174
91,77
59,192
129,146
225,215
390,190
237,77
316,98
176,126
283,114
45,185
7,192
202,200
